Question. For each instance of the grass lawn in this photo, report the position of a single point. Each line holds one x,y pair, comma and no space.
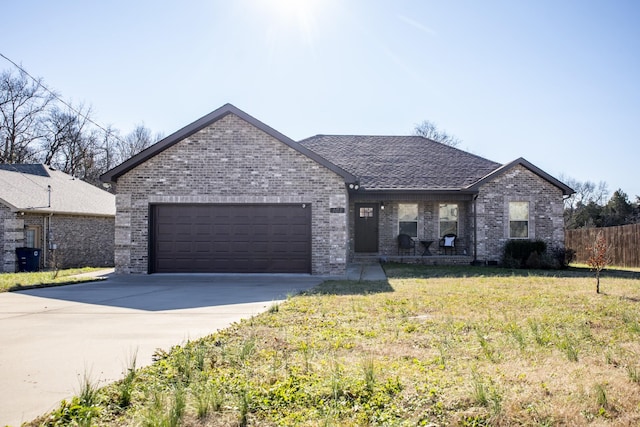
432,346
20,281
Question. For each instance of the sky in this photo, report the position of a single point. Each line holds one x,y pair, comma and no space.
554,81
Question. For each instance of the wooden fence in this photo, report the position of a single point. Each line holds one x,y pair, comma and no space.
623,240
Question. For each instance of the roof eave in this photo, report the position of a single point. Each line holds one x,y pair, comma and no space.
566,190
11,207
113,174
69,213
422,190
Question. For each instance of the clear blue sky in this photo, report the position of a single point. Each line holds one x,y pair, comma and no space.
555,82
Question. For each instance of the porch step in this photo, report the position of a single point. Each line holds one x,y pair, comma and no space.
417,259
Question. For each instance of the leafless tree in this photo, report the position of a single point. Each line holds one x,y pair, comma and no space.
23,101
37,126
136,141
70,142
429,130
585,192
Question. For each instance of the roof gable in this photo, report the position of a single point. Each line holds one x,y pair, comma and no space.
126,166
37,188
566,190
402,162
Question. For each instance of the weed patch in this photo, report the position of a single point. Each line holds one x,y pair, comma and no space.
432,346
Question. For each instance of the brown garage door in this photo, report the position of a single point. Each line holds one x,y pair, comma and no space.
230,238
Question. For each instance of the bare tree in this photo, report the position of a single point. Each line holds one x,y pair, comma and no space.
22,104
136,141
430,130
108,154
70,143
37,126
585,192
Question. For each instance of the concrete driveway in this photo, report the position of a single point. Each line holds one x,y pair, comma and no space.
51,338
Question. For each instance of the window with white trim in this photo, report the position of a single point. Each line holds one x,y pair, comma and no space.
518,220
448,218
408,219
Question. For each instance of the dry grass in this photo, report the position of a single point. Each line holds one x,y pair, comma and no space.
22,281
433,346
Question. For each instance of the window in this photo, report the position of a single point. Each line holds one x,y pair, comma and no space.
448,215
32,237
408,219
519,220
366,212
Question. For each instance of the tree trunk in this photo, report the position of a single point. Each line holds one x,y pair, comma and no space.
597,283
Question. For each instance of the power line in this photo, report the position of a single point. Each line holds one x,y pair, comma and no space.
56,96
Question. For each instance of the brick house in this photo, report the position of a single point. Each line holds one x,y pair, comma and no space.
228,193
70,221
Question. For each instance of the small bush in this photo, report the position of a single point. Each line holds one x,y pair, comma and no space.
517,253
562,256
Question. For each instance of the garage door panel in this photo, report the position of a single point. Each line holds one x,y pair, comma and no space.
231,238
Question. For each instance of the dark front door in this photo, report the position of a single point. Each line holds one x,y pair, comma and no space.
366,227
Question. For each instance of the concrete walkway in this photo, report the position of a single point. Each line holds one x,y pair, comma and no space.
372,272
52,337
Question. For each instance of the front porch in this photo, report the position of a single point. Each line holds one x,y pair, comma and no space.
424,218
413,259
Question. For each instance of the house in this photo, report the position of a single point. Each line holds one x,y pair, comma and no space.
228,193
70,221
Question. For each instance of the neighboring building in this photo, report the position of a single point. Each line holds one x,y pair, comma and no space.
69,220
228,193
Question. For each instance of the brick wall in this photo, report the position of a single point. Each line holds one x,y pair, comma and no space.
81,240
11,237
518,185
428,226
231,161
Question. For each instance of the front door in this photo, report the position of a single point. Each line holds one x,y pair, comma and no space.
366,227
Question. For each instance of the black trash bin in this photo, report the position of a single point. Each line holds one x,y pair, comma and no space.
28,259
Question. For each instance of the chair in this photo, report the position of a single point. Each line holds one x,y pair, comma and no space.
448,243
406,243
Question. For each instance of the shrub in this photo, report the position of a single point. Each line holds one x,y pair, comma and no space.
517,252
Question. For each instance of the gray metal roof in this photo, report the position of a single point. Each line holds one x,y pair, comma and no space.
402,162
26,188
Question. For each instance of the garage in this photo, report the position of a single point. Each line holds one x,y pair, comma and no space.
230,238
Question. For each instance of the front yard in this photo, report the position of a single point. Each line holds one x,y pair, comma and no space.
432,346
21,281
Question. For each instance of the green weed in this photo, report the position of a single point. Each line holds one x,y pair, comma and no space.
125,386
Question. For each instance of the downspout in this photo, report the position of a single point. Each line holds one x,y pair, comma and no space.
50,247
44,241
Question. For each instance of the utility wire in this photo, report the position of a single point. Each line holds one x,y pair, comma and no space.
56,96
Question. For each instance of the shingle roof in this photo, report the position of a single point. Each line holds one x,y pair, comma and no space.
401,162
37,169
26,188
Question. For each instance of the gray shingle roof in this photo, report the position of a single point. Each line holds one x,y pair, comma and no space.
401,162
25,188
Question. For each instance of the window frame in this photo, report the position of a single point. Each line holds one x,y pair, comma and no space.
457,221
366,212
513,222
400,221
37,236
